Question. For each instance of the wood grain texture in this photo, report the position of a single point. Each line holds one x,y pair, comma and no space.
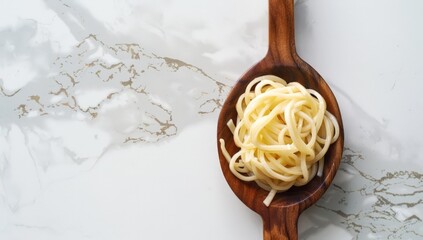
280,218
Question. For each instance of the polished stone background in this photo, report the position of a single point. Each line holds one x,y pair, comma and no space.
108,116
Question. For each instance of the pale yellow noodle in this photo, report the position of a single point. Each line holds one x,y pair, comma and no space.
283,131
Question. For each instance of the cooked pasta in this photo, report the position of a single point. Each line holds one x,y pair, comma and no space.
283,132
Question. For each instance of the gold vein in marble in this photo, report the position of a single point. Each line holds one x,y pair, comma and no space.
382,215
129,70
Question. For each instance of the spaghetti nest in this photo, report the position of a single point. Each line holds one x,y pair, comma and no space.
283,131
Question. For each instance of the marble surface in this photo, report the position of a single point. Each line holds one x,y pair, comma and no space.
108,115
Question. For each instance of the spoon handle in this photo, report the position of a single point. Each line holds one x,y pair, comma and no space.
281,32
281,223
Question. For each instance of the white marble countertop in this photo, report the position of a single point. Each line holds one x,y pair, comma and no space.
108,114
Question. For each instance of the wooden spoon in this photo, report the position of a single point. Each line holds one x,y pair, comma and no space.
281,217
